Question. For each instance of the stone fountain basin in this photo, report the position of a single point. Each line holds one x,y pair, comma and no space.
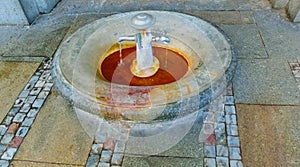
211,65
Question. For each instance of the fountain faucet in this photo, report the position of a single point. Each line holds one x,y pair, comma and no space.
145,64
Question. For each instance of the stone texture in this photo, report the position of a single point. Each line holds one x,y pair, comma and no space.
225,17
12,13
209,162
209,151
41,39
30,9
246,40
265,82
115,6
294,10
13,78
269,135
56,136
161,162
279,3
281,37
20,163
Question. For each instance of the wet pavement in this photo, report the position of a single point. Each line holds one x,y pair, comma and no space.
265,89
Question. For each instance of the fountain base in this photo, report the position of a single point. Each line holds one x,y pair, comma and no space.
144,72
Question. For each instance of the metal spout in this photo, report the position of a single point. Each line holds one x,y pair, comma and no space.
145,64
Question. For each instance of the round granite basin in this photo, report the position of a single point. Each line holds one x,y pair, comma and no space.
210,58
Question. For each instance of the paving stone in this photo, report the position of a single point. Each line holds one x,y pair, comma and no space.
231,119
48,86
19,102
235,153
232,130
28,121
22,132
261,82
32,113
225,17
103,164
16,142
12,82
19,117
55,132
233,141
4,163
210,139
38,103
30,99
3,129
235,163
12,13
209,162
229,100
13,111
39,84
24,94
109,144
220,133
7,138
97,148
105,156
9,154
209,151
7,120
222,151
92,160
130,161
25,108
222,162
247,40
230,110
43,95
3,147
13,128
220,117
120,147
35,91
42,38
117,159
33,80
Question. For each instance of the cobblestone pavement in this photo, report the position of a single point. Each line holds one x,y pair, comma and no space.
256,126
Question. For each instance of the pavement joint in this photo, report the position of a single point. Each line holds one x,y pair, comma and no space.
17,122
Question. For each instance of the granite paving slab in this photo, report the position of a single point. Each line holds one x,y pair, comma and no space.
18,163
246,40
225,17
41,38
115,6
253,4
13,76
161,162
268,81
12,13
269,135
281,37
56,136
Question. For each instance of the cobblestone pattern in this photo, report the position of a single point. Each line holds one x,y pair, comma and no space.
222,145
106,152
295,67
17,122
